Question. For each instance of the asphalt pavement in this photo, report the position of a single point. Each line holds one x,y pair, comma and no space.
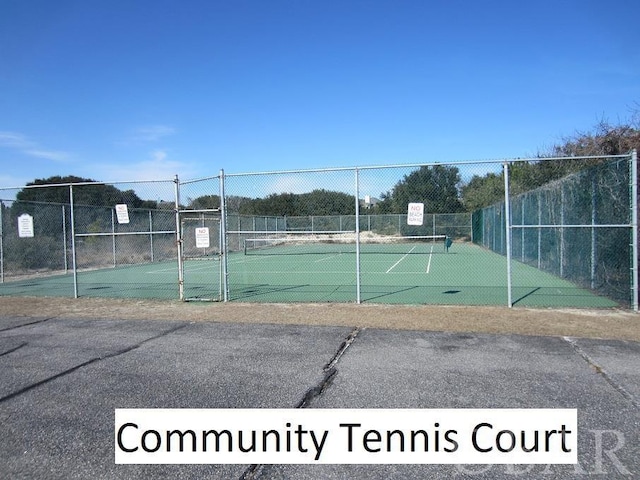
61,381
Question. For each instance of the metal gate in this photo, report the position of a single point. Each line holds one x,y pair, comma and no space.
200,255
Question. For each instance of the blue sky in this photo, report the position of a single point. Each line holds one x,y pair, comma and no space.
124,90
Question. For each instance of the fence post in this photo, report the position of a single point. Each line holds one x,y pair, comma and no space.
151,235
507,230
562,202
357,180
539,229
223,235
634,226
64,240
176,190
1,244
522,235
471,220
74,261
593,235
113,236
494,229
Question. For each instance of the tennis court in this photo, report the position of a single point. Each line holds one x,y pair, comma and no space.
407,273
564,238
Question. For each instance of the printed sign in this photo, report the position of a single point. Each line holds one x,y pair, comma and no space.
202,237
306,436
25,226
415,214
122,212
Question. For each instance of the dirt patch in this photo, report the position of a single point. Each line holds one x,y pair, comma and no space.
605,324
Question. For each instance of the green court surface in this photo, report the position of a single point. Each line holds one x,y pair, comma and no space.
393,274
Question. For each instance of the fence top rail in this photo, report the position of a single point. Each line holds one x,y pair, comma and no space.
424,164
586,225
196,180
289,232
201,210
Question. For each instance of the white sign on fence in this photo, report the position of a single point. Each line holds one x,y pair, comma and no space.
415,214
25,226
122,212
202,237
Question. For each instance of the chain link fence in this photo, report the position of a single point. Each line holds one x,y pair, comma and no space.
48,253
577,227
537,232
200,240
74,237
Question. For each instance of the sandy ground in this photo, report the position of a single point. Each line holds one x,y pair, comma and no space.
605,324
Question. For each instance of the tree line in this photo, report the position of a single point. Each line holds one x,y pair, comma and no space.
605,139
440,187
55,190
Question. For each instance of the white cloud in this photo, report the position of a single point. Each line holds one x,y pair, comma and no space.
48,155
157,167
152,133
159,155
13,140
7,182
22,144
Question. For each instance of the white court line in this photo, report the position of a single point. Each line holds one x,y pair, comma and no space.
290,273
429,263
327,258
198,268
175,269
395,264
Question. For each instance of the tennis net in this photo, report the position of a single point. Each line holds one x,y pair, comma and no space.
314,243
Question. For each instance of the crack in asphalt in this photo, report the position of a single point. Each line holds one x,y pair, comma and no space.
601,371
343,348
89,362
14,349
42,320
330,371
315,392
